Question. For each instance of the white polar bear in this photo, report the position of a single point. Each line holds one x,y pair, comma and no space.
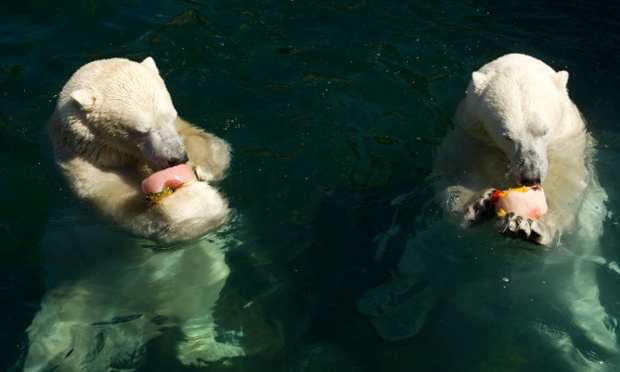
109,292
516,125
114,125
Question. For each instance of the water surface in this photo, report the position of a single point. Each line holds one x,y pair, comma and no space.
334,110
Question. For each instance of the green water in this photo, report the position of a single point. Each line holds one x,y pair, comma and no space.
334,110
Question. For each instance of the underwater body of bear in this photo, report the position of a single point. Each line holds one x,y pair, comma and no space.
108,289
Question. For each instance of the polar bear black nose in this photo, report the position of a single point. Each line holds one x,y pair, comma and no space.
178,160
530,181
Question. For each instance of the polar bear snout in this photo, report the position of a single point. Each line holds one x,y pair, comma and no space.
530,181
164,148
163,161
529,172
530,166
171,162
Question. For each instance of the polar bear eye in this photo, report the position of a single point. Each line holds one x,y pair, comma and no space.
138,132
507,137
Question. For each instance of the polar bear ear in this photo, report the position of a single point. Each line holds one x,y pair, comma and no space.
84,98
480,81
150,64
561,79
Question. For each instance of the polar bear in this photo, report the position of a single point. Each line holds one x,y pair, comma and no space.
115,124
118,268
515,125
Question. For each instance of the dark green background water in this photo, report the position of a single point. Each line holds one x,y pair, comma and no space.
334,110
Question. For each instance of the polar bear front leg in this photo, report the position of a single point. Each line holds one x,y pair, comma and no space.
517,226
208,154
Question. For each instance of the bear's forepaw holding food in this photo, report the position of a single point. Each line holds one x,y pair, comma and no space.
203,174
521,227
482,209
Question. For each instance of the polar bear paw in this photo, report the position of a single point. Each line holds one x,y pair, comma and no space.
517,226
480,210
202,352
203,174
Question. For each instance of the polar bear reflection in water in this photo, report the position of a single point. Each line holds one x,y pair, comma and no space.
516,125
109,288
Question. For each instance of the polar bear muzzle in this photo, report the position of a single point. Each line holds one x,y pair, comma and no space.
530,165
164,148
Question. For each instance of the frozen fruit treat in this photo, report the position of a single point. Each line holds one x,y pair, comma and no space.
526,201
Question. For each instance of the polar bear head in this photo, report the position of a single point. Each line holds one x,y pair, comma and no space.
522,104
116,111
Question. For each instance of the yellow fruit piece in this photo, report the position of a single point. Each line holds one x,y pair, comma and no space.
154,198
519,189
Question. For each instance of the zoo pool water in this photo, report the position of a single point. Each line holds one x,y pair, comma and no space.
334,110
